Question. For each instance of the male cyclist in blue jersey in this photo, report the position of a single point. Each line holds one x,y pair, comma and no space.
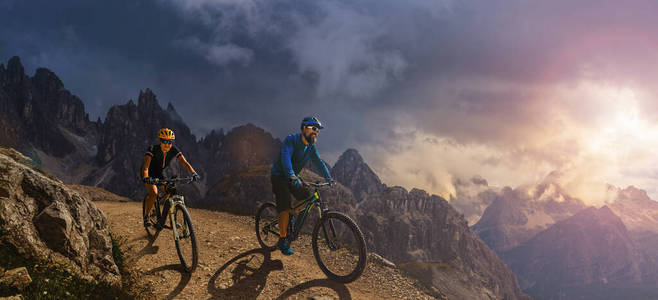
296,150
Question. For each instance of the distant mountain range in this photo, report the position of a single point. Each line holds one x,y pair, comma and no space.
421,233
560,248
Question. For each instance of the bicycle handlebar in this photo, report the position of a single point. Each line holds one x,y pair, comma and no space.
316,184
157,181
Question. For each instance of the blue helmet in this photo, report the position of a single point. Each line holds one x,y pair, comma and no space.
311,121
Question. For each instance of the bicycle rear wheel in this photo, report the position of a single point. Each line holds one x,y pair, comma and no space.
152,217
185,239
267,226
339,247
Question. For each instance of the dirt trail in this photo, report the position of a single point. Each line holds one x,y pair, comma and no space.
233,266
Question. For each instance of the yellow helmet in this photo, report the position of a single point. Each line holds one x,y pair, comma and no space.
166,134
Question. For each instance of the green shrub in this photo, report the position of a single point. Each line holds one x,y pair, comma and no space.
54,280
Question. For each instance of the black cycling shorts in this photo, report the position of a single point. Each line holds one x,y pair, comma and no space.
282,191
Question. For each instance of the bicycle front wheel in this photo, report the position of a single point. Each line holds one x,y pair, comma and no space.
267,226
339,247
185,238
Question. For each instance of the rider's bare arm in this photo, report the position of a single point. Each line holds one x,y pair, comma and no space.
145,166
185,164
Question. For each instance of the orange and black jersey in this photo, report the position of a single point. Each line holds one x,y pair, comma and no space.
158,161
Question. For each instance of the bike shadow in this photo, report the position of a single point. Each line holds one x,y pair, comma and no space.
249,275
340,289
184,278
149,248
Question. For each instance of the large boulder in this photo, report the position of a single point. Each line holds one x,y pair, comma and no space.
44,219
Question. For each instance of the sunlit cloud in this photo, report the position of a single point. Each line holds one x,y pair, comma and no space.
592,134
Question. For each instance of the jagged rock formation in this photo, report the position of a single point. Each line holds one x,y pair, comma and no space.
516,215
408,227
351,171
44,219
638,212
42,119
31,106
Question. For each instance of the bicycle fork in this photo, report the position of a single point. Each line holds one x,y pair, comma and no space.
329,235
174,202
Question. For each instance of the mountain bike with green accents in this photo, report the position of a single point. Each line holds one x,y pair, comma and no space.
338,244
173,205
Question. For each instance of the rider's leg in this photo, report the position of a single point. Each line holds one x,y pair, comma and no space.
284,217
150,198
165,213
281,189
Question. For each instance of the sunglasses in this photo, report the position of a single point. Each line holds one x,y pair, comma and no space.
314,128
166,142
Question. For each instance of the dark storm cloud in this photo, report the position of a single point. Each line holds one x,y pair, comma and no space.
473,71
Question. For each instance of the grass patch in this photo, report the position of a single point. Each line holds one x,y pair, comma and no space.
129,277
54,280
117,252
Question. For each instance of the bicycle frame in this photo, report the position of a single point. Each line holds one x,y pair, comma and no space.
308,203
174,198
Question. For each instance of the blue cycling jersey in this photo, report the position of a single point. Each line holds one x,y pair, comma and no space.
294,156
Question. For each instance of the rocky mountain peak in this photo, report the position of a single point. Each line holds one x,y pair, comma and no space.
173,114
516,215
148,100
46,80
351,156
351,171
15,71
633,194
638,212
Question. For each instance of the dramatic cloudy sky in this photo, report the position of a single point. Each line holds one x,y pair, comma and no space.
426,90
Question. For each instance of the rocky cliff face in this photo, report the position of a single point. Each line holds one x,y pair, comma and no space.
412,227
44,219
39,112
590,251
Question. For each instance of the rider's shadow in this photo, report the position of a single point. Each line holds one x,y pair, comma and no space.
249,272
340,289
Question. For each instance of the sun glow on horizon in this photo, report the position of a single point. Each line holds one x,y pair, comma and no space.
623,132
